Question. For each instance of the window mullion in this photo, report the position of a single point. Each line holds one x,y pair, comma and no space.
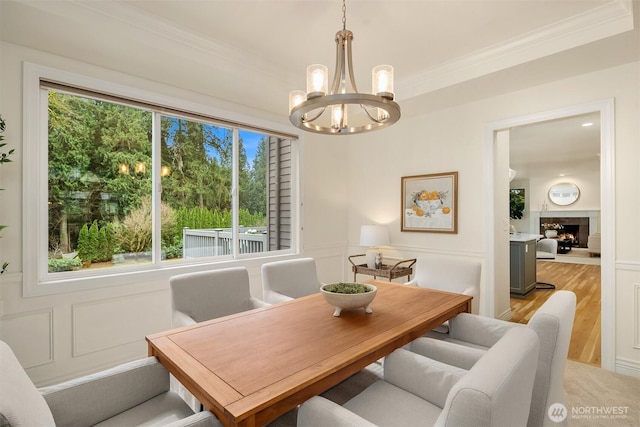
235,177
156,188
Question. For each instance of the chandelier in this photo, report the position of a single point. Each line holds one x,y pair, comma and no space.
343,110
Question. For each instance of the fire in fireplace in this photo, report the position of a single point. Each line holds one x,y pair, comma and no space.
576,229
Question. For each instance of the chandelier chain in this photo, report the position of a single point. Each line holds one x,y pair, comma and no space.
344,15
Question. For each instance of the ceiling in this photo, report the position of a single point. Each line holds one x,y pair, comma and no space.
253,52
562,147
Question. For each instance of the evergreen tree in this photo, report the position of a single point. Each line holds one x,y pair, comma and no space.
84,245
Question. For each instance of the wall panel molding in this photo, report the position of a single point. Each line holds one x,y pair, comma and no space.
636,315
114,322
628,265
37,325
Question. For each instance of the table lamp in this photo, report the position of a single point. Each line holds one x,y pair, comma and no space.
373,236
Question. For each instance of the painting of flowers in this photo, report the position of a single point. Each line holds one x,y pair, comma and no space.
429,203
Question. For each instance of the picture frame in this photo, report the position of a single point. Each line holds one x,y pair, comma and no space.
429,203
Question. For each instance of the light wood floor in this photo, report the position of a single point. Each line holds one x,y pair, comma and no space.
584,281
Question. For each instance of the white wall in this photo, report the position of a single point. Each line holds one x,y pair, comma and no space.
452,139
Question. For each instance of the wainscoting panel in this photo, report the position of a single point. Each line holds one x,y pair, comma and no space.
100,325
30,336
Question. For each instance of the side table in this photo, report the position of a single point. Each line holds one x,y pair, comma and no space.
390,272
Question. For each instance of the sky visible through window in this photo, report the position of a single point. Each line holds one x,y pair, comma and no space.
250,140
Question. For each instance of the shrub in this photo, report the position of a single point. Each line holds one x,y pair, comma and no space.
134,233
57,265
95,244
84,245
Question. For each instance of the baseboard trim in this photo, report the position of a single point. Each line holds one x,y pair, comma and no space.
506,315
628,367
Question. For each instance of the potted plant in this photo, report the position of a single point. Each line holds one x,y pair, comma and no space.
516,203
4,158
349,295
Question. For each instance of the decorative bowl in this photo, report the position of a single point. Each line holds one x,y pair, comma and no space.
429,205
346,297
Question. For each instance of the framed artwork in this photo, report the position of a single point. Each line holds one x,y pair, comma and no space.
429,203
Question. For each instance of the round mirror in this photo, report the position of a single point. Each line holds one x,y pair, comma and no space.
564,194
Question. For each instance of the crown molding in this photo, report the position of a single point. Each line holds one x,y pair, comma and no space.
604,21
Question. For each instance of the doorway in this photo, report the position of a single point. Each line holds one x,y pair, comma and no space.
496,135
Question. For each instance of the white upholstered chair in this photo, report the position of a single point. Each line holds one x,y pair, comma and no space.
419,391
470,336
593,244
135,393
546,249
452,275
289,279
206,295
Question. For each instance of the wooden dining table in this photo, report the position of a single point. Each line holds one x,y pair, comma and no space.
249,368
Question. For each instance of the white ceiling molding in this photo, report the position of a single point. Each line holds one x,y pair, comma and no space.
607,20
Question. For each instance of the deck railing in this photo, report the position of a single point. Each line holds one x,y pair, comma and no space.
198,243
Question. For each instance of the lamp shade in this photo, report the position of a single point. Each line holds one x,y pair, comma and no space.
374,235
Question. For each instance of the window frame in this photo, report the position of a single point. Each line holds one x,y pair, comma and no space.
36,278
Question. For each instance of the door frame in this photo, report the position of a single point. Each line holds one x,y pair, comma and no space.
607,211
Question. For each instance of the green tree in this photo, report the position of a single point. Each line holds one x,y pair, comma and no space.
257,202
84,245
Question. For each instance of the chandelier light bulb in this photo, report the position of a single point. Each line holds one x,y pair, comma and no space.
382,115
338,116
317,80
382,81
296,97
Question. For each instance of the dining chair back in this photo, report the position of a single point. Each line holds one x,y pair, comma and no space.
206,295
470,336
289,279
417,390
452,275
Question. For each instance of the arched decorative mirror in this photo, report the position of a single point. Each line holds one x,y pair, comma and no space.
564,194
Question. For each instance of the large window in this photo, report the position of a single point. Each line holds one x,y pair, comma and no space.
134,185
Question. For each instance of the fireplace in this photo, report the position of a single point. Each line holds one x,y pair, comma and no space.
575,228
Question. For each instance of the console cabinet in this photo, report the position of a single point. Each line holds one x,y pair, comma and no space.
522,273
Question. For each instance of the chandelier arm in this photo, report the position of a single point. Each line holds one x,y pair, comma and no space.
305,119
364,108
338,74
350,64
